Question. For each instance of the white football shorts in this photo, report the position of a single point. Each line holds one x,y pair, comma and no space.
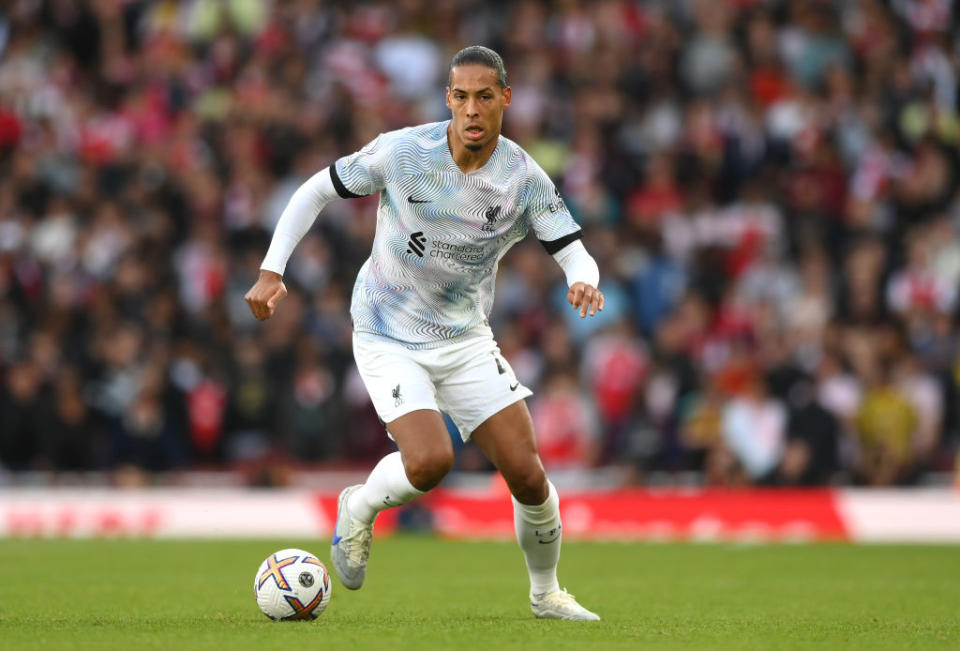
469,380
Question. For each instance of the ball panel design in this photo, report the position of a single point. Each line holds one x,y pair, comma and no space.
292,584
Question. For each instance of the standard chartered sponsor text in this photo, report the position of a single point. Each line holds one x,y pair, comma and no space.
458,252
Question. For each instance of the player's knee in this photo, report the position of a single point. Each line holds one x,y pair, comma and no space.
427,468
530,487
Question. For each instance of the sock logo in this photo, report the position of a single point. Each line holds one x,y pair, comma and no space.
417,243
547,536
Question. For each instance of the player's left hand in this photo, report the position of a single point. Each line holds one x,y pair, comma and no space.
586,297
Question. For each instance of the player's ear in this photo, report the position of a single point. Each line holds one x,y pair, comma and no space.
448,98
507,96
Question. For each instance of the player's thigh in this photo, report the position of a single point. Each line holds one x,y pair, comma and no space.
507,438
475,382
396,382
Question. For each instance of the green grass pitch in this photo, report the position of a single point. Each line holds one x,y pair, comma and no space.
422,593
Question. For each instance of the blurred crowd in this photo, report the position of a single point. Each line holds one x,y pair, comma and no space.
770,188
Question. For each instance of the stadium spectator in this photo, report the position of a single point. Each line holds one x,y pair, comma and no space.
811,454
754,426
769,187
568,431
886,426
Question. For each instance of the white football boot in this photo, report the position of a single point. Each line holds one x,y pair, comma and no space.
560,604
350,546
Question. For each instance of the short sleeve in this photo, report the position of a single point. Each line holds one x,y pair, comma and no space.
363,172
547,213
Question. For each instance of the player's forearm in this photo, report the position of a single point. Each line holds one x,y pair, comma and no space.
300,213
577,264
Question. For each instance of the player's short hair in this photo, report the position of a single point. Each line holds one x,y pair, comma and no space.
484,56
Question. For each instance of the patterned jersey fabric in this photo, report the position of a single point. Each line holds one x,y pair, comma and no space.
441,233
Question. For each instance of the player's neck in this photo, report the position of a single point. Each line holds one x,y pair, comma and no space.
468,160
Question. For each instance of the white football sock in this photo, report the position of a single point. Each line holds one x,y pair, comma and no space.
539,534
386,487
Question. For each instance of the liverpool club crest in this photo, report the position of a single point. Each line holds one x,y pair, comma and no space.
491,216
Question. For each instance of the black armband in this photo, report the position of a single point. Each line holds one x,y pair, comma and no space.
555,245
339,186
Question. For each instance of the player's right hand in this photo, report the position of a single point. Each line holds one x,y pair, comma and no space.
265,294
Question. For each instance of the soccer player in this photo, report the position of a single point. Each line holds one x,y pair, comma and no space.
454,196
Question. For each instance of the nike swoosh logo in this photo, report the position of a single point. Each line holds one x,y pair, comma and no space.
412,200
335,540
513,387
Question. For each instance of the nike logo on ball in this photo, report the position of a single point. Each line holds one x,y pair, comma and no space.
412,200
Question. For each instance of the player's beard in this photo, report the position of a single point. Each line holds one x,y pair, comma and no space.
472,145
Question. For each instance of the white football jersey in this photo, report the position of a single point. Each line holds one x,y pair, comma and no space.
441,233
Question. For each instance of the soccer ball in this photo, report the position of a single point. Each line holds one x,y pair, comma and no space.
292,584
